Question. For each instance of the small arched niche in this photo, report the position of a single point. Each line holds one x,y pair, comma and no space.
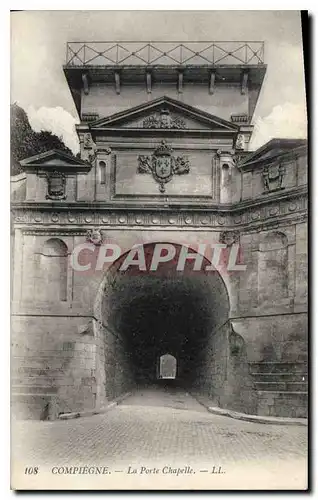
102,172
53,268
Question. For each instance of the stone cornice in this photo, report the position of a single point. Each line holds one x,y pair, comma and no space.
264,225
279,157
158,132
168,206
283,211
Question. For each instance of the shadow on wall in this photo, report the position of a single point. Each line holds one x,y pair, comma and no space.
231,385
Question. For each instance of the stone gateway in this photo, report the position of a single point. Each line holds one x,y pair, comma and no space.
164,160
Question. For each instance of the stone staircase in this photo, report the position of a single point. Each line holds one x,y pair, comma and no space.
281,388
33,394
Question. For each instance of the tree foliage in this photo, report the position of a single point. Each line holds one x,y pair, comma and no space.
25,142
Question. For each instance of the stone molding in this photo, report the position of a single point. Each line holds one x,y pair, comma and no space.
252,217
244,229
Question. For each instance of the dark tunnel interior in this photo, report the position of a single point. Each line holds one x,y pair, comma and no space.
171,312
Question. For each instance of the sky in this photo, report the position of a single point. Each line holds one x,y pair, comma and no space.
38,49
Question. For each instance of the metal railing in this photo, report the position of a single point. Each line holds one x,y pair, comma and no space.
164,53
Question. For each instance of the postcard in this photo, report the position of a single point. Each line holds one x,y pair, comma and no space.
159,250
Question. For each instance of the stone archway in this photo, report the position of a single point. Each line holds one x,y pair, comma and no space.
142,314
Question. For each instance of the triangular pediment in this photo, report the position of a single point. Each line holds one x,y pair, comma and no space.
165,114
272,150
54,160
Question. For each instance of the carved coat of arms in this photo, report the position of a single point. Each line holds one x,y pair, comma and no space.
163,165
273,177
164,120
56,186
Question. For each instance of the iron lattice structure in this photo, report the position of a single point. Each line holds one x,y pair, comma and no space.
164,53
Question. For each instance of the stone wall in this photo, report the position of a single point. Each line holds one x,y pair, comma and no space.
252,180
226,100
282,337
223,372
66,358
54,359
65,364
65,352
118,377
212,178
198,182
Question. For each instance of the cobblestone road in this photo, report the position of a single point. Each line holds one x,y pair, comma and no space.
156,429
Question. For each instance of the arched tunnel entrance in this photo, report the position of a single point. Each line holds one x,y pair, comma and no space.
147,313
167,367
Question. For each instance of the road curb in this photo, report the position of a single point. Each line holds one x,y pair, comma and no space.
89,413
257,418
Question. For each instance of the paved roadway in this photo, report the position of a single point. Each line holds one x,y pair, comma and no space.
154,432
